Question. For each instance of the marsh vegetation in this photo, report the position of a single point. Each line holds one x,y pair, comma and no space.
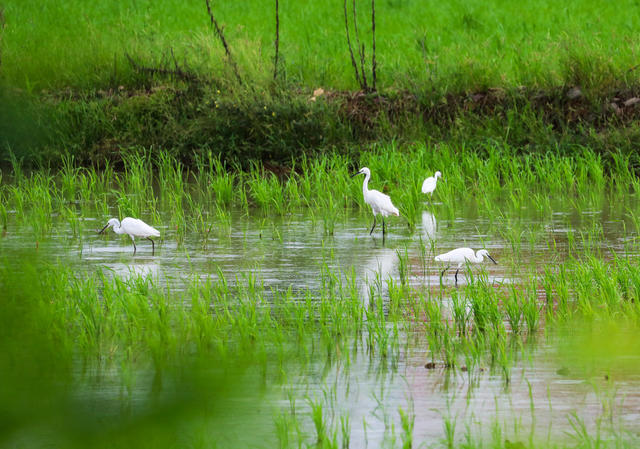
269,312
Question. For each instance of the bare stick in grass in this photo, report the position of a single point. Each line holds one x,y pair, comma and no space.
360,48
353,59
365,86
373,44
277,42
227,50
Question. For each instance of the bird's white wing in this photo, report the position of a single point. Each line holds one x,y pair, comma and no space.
382,203
429,185
139,228
458,255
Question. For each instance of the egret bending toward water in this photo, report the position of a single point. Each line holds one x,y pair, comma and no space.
134,228
462,256
429,184
379,202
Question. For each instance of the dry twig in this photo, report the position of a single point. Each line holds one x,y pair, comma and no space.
227,50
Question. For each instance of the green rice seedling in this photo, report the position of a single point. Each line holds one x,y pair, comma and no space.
449,421
433,312
449,347
345,431
407,423
484,306
292,191
68,179
330,213
266,191
460,314
514,309
71,217
281,423
317,416
403,266
169,173
623,176
531,309
136,181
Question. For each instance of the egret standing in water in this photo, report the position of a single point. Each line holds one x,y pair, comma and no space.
429,184
461,256
379,202
133,228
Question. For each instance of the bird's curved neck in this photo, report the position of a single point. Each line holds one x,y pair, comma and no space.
479,257
117,228
365,184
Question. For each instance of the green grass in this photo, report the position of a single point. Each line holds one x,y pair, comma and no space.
67,87
157,187
449,47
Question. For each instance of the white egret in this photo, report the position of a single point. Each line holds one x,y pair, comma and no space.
461,256
429,184
379,202
134,228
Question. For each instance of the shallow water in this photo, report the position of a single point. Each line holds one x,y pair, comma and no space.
289,252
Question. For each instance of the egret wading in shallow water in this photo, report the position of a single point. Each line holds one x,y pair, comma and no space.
133,228
429,184
379,202
461,256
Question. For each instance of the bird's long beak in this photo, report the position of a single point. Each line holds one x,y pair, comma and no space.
356,174
492,259
102,230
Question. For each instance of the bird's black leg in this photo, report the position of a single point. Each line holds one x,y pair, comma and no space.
153,246
457,276
374,225
443,272
134,246
383,228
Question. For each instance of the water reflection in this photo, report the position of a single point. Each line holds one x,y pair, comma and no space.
429,225
376,270
138,267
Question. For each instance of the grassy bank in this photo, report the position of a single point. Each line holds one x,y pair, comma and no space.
281,128
549,77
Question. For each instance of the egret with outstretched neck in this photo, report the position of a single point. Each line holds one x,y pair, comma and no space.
379,202
429,184
133,228
461,256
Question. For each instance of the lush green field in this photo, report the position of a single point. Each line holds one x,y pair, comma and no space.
420,46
